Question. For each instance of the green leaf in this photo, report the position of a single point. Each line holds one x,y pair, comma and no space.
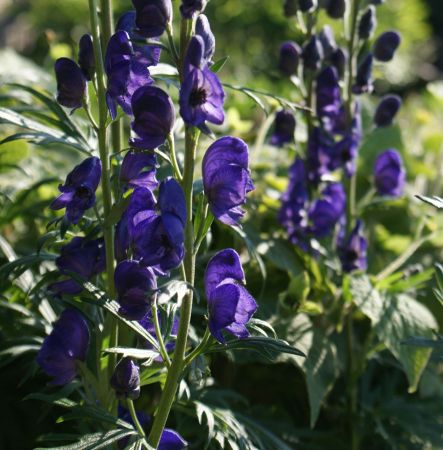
435,201
95,441
267,347
218,65
117,211
396,318
136,353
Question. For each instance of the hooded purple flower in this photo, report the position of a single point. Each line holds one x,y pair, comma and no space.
339,59
201,93
132,174
284,128
336,8
170,439
135,285
326,212
126,379
126,73
149,54
389,174
330,109
189,7
307,5
312,54
386,45
289,58
230,305
152,16
83,257
368,23
86,59
71,83
67,342
154,117
158,239
78,192
320,155
386,110
352,251
226,178
292,214
203,29
363,79
141,206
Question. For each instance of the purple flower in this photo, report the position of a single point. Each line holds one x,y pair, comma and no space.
339,59
386,45
78,192
67,342
71,83
201,93
336,8
363,79
352,251
152,16
132,174
149,54
154,117
306,5
126,73
330,109
284,128
126,379
203,29
320,156
292,214
325,212
86,59
327,40
368,23
230,305
135,285
289,58
83,257
189,7
312,54
389,173
158,239
386,110
226,178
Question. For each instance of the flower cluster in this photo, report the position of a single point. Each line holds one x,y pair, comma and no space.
151,213
314,204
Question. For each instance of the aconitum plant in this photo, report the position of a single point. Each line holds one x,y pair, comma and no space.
132,222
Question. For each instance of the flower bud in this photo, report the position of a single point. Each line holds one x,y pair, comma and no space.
71,83
339,59
86,59
307,5
126,379
189,7
327,40
386,45
363,79
336,8
352,251
389,174
203,29
289,58
284,128
152,16
386,110
312,54
367,24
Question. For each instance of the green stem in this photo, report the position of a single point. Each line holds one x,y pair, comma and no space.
351,383
131,408
158,332
173,158
200,347
172,47
177,365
